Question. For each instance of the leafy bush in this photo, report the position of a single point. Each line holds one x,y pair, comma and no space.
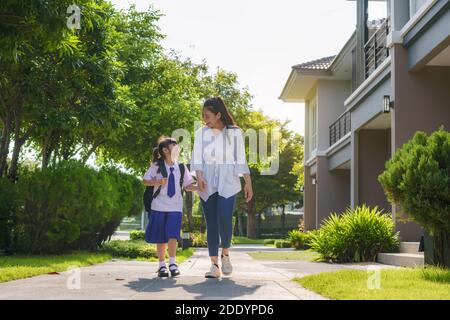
9,205
269,241
282,244
355,236
417,178
299,240
137,235
130,249
199,240
70,206
196,223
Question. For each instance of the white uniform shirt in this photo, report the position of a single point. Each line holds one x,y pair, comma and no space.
163,202
220,155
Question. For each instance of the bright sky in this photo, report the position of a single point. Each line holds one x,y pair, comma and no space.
260,40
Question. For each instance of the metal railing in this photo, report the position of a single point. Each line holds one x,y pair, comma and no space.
375,49
340,128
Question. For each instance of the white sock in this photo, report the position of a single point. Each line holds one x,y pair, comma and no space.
171,261
162,264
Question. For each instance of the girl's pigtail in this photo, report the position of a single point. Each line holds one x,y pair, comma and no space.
156,154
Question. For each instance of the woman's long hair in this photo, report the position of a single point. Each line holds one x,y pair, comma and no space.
216,105
163,142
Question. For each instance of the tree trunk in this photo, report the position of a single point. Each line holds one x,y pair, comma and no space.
251,217
236,225
283,221
441,245
18,143
258,229
47,150
202,225
189,205
12,175
5,140
91,151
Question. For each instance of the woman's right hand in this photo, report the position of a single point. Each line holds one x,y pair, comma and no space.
162,181
201,184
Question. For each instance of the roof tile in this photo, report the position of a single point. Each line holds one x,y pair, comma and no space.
319,64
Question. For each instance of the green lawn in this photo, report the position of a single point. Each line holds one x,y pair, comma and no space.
395,284
182,255
302,255
245,240
18,267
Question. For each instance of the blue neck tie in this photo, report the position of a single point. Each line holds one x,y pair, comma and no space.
171,186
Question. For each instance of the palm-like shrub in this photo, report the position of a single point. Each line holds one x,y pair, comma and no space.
418,179
199,239
299,240
356,235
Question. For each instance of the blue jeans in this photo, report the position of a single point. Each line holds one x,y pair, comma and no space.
218,213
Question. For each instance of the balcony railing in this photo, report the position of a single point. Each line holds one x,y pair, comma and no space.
375,49
340,128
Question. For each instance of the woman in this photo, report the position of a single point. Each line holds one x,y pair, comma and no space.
219,160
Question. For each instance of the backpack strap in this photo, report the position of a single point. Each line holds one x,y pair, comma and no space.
163,170
182,170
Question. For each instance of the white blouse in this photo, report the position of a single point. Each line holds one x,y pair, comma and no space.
220,155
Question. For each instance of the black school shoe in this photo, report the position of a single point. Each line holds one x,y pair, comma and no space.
174,272
162,272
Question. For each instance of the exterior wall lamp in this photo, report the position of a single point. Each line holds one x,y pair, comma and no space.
387,104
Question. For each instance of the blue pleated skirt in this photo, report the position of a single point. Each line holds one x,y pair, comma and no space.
163,226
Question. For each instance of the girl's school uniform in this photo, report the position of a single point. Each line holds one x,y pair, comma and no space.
165,218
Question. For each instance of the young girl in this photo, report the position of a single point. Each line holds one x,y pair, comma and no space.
166,209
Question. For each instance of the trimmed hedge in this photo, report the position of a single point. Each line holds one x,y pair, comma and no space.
130,249
283,244
67,207
137,235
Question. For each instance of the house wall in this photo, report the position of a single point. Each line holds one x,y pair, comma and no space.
415,5
373,152
309,148
429,36
331,95
309,200
422,102
332,190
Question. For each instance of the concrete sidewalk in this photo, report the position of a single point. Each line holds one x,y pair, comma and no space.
119,279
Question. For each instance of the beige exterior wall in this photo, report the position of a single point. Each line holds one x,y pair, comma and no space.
331,95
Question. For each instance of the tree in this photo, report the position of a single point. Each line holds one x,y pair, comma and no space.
417,179
281,188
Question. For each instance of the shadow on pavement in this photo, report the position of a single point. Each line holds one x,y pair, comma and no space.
224,288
